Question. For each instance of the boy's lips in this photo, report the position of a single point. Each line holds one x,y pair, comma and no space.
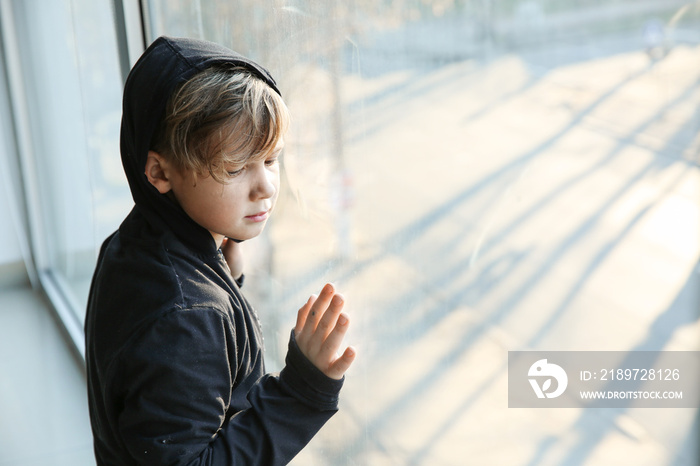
259,217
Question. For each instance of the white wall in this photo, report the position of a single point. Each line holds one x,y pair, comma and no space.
9,244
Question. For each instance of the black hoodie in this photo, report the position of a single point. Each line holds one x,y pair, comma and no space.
174,351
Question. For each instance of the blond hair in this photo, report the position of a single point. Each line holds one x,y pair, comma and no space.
222,116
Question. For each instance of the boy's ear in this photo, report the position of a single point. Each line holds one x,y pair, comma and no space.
157,172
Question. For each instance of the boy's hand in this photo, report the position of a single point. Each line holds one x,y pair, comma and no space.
233,254
319,332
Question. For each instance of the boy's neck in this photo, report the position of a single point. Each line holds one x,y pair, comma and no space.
218,239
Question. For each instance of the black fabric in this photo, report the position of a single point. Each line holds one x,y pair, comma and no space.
174,351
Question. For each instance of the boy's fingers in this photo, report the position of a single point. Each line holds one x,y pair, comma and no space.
318,308
338,368
335,338
329,319
227,245
302,314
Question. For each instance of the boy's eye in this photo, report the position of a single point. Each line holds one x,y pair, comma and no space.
233,173
271,162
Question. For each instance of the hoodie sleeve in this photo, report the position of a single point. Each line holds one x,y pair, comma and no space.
176,393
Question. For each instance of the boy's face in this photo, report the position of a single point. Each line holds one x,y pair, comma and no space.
238,209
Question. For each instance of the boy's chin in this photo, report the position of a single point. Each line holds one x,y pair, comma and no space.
247,234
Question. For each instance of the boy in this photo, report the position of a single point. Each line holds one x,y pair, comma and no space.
174,351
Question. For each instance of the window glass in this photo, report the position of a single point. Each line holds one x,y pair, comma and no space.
71,74
479,177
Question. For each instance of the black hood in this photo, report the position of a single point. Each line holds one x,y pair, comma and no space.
167,63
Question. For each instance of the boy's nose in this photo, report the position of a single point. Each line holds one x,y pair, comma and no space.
264,185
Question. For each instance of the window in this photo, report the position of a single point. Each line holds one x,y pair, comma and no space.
66,95
477,177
